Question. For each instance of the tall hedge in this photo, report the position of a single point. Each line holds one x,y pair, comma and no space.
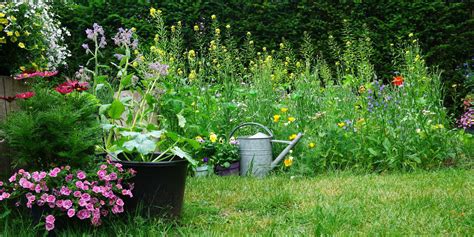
445,29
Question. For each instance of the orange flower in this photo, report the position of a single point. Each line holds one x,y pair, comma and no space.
397,81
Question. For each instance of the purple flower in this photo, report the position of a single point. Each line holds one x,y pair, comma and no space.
85,46
96,32
205,159
124,38
119,56
162,69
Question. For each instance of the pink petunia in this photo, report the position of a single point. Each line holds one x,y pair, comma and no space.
65,191
86,197
77,194
119,202
50,219
71,213
12,178
67,204
51,199
81,175
69,178
83,214
54,172
49,227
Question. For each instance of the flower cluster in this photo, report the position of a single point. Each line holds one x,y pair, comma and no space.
70,86
467,119
124,37
217,150
26,75
24,95
97,35
75,193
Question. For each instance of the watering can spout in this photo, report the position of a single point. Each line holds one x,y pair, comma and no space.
282,155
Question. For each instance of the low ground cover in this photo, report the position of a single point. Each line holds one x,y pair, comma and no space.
417,203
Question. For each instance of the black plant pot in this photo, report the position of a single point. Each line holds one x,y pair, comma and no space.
158,187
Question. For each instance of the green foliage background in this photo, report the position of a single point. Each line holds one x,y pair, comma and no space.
445,29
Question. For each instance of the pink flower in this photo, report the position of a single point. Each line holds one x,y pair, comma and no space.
70,86
40,203
103,167
96,189
37,188
86,197
119,202
71,212
59,203
119,186
101,174
113,176
79,184
54,172
42,175
90,207
50,219
117,209
4,195
1,183
96,221
82,203
81,175
67,204
49,227
83,214
126,192
12,178
35,74
69,178
65,191
132,171
31,198
77,194
51,199
25,95
118,165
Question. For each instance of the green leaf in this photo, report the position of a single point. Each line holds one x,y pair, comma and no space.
126,81
373,152
116,109
181,120
103,108
178,152
156,134
142,144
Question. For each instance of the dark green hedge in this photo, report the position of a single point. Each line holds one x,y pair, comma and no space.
445,29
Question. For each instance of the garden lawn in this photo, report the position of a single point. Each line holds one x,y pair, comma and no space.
425,203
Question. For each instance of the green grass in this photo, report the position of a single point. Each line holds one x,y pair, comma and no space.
421,203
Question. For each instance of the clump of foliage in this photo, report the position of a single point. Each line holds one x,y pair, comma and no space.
52,129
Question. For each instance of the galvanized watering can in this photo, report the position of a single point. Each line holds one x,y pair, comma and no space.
256,156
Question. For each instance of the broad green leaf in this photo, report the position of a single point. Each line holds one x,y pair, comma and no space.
178,152
126,81
116,109
156,134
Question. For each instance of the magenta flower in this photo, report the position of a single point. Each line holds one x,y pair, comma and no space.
65,191
71,213
83,214
50,222
51,199
67,204
81,175
35,74
54,172
49,227
25,95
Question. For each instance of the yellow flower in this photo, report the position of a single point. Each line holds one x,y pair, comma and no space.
191,54
135,64
152,11
292,136
213,17
288,161
180,72
192,75
22,68
284,110
3,40
12,18
298,64
312,145
179,23
251,42
361,89
196,28
213,137
134,29
410,35
17,34
3,21
21,45
136,52
218,31
227,26
9,33
249,34
282,46
291,119
341,124
27,33
276,118
2,14
264,49
173,28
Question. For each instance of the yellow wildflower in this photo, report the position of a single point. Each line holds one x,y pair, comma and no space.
249,34
213,137
192,75
152,11
9,33
282,46
291,119
12,18
264,49
191,54
3,40
21,45
180,72
135,64
134,29
3,21
22,68
288,161
218,31
284,110
251,42
173,28
213,17
227,26
179,23
410,35
136,52
2,14
298,64
311,145
361,89
17,34
196,28
27,33
276,118
341,124
292,136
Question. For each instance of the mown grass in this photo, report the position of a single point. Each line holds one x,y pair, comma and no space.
421,203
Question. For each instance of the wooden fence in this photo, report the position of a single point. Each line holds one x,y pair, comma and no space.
8,88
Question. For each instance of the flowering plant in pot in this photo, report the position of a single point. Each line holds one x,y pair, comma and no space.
129,118
31,39
64,192
222,153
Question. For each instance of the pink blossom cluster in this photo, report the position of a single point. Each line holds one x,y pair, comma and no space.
35,74
86,195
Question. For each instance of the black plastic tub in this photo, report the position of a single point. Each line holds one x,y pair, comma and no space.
158,187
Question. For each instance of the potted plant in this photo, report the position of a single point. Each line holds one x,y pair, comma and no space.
223,154
132,133
63,193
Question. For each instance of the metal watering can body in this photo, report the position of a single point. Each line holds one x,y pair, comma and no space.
256,157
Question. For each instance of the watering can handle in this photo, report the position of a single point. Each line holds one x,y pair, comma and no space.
248,124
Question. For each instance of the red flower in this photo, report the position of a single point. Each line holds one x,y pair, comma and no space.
35,74
397,81
25,95
70,86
